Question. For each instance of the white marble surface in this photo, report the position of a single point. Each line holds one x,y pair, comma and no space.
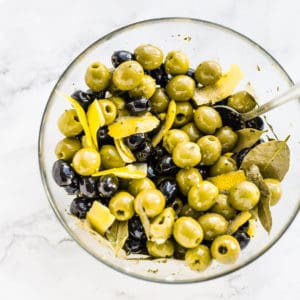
38,39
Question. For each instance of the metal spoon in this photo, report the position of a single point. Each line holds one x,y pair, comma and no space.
237,120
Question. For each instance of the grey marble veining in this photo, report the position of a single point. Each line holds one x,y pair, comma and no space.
38,39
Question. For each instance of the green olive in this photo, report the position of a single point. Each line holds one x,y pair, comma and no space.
119,102
242,102
192,131
109,110
97,77
177,62
86,161
227,137
121,206
225,249
210,148
159,102
137,185
198,258
202,196
68,123
186,178
110,157
207,119
275,189
128,75
146,88
188,211
244,195
223,207
223,165
208,72
213,225
181,88
151,201
161,227
186,155
66,148
184,113
187,232
173,137
149,56
160,250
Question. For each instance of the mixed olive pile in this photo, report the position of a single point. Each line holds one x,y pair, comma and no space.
141,156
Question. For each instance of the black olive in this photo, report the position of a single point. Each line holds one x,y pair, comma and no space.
63,174
136,229
169,189
102,136
88,186
80,206
240,156
160,76
158,152
120,56
191,73
230,117
135,141
108,185
133,245
151,171
138,106
256,123
243,238
144,151
82,98
166,166
204,170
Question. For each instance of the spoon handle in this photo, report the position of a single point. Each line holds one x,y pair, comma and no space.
292,93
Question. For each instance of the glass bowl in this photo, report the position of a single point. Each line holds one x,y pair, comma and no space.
200,40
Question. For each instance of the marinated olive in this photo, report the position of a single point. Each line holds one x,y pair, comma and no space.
213,225
88,186
186,154
135,141
179,251
137,106
137,185
165,249
119,102
109,110
242,102
102,137
69,124
177,205
181,88
210,148
207,119
149,56
110,157
136,229
198,258
121,206
225,249
82,98
192,131
97,77
63,174
187,232
86,161
243,238
165,166
159,101
188,211
80,206
66,148
184,113
107,185
173,137
202,196
177,63
169,189
146,88
223,165
208,72
120,56
186,178
223,207
160,76
227,137
143,153
244,196
275,189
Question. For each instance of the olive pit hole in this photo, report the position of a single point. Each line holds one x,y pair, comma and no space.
120,212
76,118
222,250
95,65
161,221
180,116
108,109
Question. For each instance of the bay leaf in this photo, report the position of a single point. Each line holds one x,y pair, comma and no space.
263,207
272,159
117,235
247,137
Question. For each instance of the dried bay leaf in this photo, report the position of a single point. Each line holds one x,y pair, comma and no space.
247,137
272,159
263,206
117,235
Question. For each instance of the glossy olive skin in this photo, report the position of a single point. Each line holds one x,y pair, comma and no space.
173,137
110,157
146,88
202,196
137,185
176,63
97,77
128,75
187,232
119,102
211,149
207,119
120,56
107,185
198,258
177,205
86,161
244,196
222,207
186,178
184,113
225,249
68,123
152,201
159,101
181,88
121,206
193,132
227,137
213,225
66,148
242,102
149,56
109,110
165,249
275,190
186,155
223,165
208,72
